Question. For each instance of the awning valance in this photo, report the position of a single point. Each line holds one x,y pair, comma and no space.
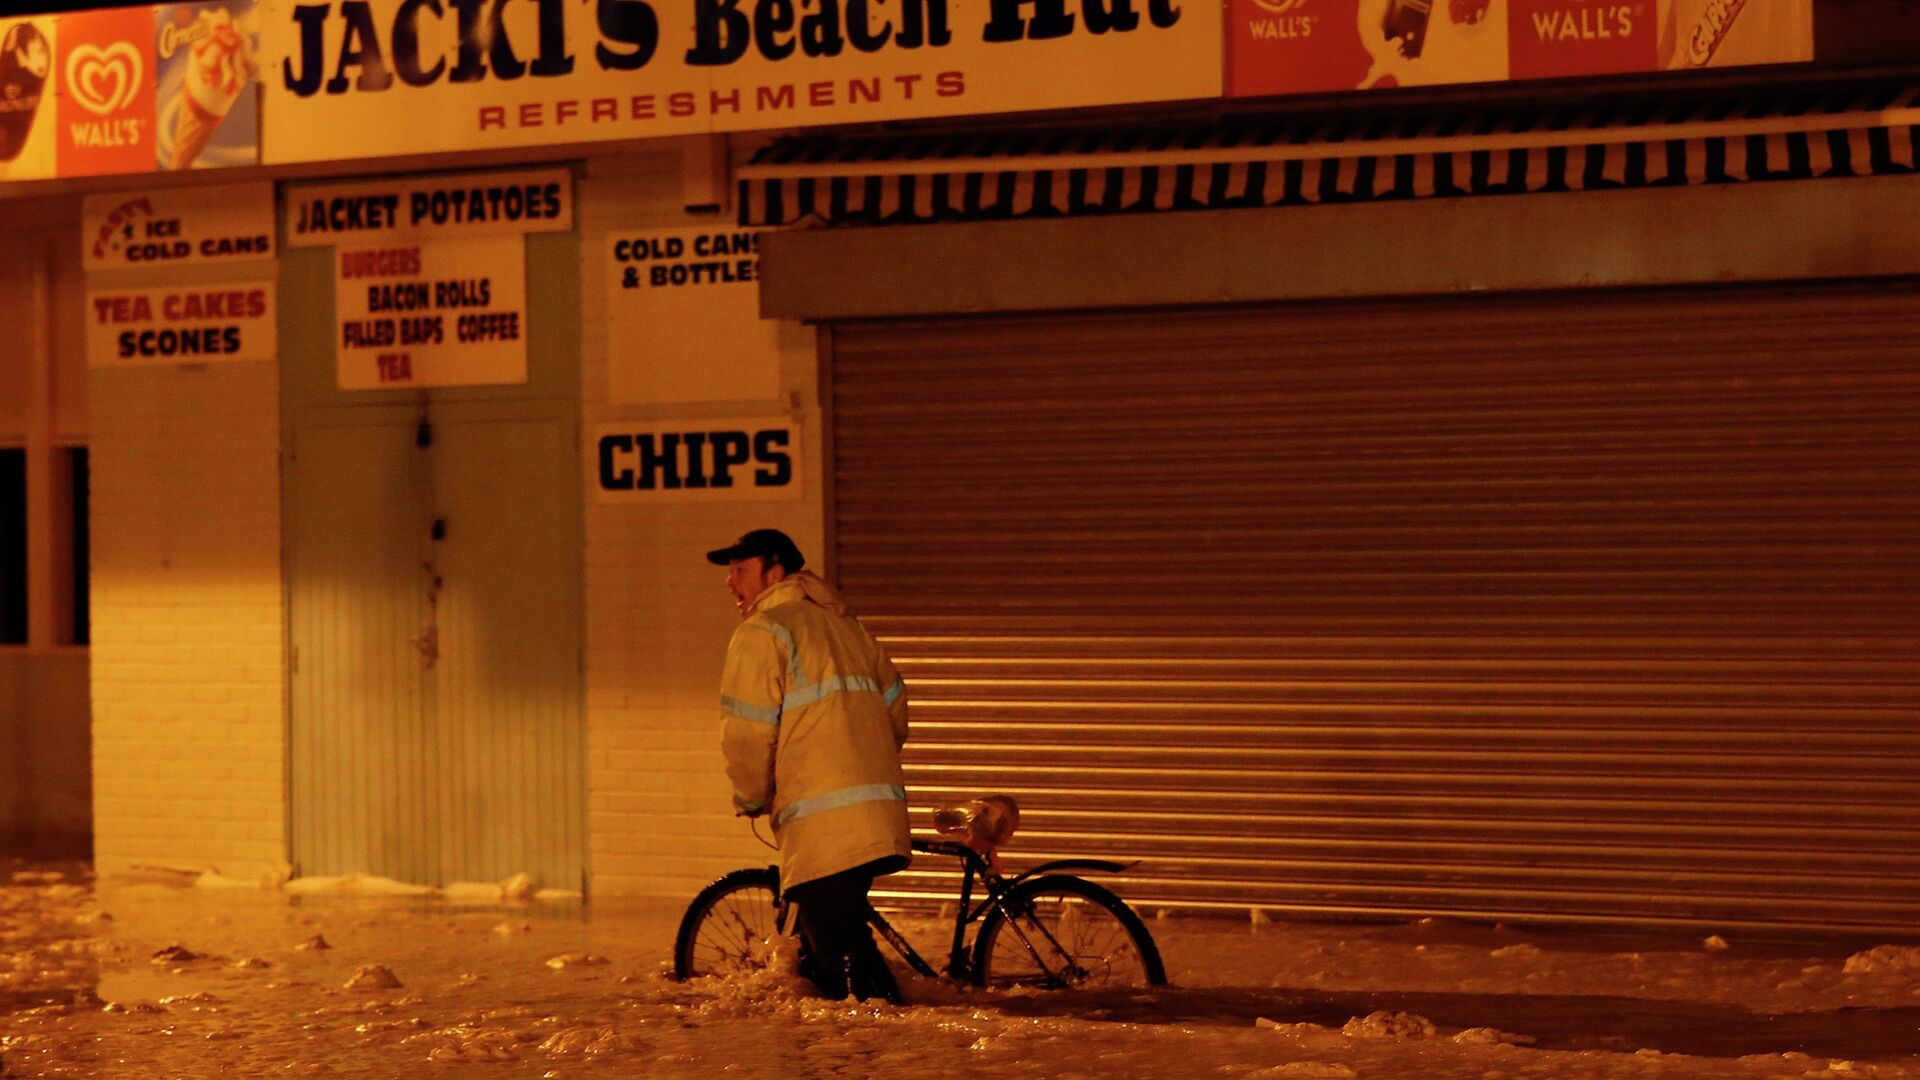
1241,161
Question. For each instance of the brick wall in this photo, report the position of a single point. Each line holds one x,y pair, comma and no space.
188,724
659,816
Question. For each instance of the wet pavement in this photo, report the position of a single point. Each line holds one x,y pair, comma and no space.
150,976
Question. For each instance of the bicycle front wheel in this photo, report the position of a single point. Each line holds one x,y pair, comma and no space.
1065,932
730,926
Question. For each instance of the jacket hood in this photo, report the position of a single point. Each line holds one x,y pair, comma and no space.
806,584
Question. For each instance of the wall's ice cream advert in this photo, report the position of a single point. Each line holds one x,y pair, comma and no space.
208,113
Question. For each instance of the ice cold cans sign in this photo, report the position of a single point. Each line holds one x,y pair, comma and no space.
359,78
104,61
478,204
159,229
434,313
186,324
733,460
683,318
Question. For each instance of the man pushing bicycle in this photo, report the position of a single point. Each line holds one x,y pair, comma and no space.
814,716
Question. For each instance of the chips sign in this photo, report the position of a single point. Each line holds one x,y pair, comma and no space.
361,78
677,461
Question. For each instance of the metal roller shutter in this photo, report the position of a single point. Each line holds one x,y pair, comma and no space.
1599,608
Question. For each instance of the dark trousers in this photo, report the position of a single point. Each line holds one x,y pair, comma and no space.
840,956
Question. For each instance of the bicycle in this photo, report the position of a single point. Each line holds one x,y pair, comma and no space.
1041,928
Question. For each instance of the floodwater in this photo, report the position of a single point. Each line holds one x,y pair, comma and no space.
150,976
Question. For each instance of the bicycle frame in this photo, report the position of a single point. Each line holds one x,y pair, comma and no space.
959,958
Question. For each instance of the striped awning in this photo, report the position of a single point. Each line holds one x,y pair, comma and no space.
1247,162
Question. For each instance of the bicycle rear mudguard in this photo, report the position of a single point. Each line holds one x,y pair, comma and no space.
1102,865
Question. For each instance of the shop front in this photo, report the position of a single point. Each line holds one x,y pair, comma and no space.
1470,496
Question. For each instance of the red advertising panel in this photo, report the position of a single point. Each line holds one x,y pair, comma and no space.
1294,46
1307,46
105,62
1316,46
1551,38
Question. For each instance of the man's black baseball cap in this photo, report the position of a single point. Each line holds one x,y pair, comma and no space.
770,544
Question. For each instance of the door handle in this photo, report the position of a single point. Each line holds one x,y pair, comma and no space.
428,642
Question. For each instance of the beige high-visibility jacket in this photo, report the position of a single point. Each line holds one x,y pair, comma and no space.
814,718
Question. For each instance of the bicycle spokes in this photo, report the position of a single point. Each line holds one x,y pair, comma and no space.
738,932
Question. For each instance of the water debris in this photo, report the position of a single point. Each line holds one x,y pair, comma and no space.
37,877
514,889
1389,1025
1522,951
135,1007
510,928
1486,1036
356,885
214,879
373,977
315,942
1715,943
1309,1036
1885,959
567,960
1320,1070
588,1042
249,963
175,954
464,1043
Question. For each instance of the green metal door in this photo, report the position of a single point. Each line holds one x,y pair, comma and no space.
434,569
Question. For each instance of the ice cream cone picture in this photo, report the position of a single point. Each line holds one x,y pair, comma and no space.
219,68
25,59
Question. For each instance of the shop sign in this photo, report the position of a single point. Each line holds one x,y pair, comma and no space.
183,324
206,59
735,460
361,78
1311,46
106,101
431,313
127,90
683,318
159,229
27,108
472,204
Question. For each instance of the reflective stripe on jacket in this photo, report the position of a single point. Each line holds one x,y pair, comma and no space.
814,717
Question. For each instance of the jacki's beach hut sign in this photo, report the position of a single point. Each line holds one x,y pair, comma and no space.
362,78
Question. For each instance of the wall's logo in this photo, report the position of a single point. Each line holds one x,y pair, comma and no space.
1280,7
104,81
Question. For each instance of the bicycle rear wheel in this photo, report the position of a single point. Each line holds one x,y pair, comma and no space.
1065,932
729,927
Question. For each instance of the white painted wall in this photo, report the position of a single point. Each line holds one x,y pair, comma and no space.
658,616
189,747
